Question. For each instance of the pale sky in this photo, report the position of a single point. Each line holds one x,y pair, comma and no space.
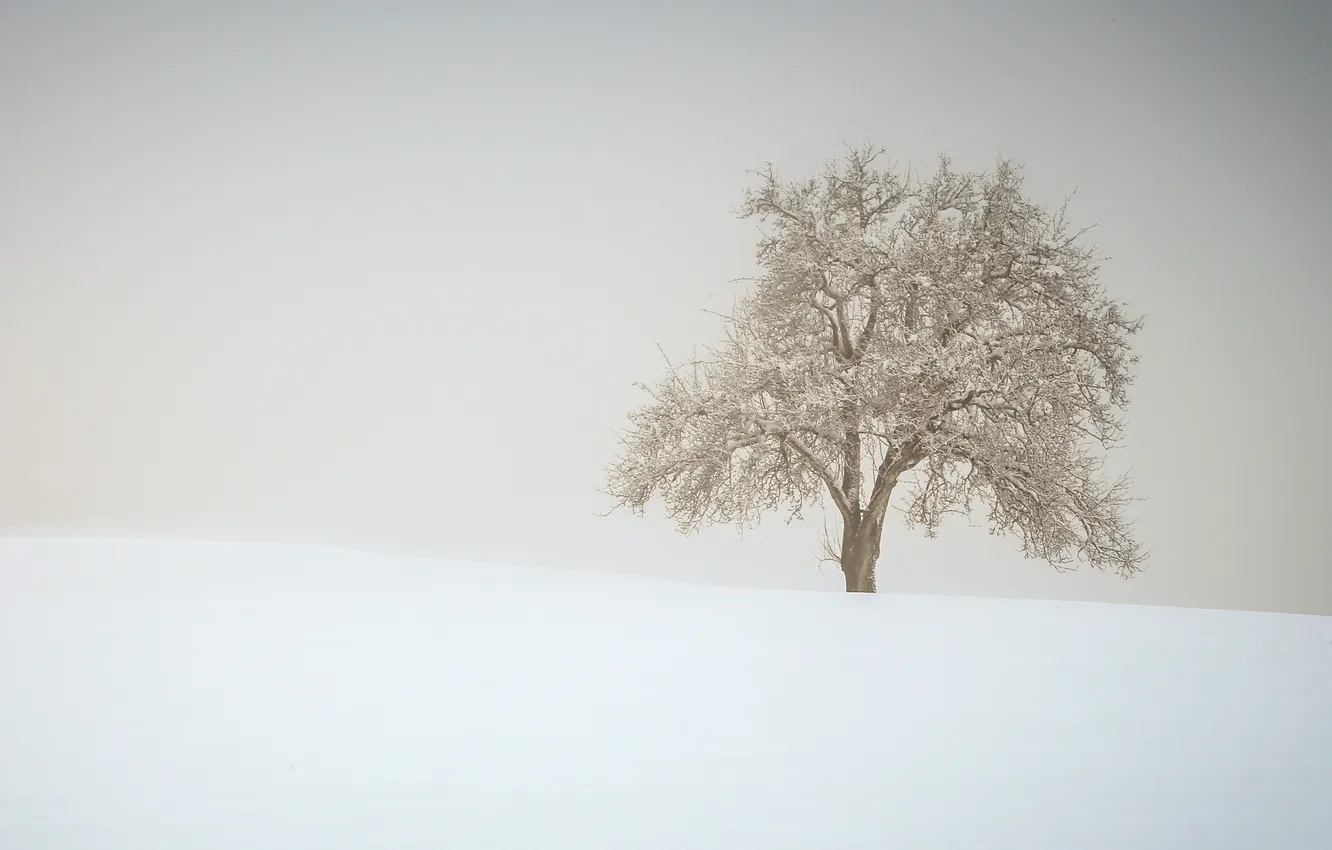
384,277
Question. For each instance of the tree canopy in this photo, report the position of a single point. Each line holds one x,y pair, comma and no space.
946,325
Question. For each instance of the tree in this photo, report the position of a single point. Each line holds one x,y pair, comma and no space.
946,327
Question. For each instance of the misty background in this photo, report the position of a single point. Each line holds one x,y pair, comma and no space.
382,276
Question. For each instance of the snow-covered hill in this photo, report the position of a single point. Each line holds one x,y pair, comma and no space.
176,696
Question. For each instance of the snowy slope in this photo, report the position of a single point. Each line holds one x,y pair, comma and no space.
189,697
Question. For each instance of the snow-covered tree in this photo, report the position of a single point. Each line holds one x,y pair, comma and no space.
946,327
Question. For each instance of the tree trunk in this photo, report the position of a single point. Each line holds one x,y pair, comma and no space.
860,554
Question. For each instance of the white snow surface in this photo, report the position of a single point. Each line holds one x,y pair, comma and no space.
204,696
